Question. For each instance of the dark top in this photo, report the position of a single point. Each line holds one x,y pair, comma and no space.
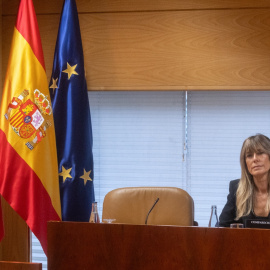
228,213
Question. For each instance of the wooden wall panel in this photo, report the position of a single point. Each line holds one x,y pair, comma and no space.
170,50
218,49
86,6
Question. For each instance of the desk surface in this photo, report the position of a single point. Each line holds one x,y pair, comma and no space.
128,247
8,265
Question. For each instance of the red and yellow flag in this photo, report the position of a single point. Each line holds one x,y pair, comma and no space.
28,159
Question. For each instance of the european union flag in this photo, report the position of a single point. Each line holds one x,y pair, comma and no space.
72,119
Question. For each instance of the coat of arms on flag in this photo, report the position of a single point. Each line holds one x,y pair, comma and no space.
26,117
29,178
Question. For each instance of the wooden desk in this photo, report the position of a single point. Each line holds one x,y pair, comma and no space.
5,265
118,246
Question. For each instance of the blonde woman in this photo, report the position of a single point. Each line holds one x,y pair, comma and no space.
249,197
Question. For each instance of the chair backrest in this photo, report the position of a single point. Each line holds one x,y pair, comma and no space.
131,205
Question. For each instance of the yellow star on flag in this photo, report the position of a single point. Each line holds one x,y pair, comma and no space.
86,176
70,70
54,85
65,174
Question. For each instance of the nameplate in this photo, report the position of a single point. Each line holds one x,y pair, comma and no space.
257,223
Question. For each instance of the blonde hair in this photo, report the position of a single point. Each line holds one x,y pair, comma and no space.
245,190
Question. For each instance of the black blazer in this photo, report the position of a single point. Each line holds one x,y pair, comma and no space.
228,213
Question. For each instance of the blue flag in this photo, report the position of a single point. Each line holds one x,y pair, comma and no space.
72,119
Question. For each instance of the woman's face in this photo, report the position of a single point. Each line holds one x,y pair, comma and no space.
258,164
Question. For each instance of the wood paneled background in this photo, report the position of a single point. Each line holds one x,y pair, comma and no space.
153,45
162,45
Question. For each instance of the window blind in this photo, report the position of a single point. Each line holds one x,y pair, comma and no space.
38,256
218,123
138,139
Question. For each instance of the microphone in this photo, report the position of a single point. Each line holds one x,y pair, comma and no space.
151,210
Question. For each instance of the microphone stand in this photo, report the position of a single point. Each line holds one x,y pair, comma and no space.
151,210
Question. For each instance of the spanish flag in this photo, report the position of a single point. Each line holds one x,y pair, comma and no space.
28,157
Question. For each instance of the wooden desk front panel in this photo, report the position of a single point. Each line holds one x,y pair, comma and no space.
119,246
20,266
